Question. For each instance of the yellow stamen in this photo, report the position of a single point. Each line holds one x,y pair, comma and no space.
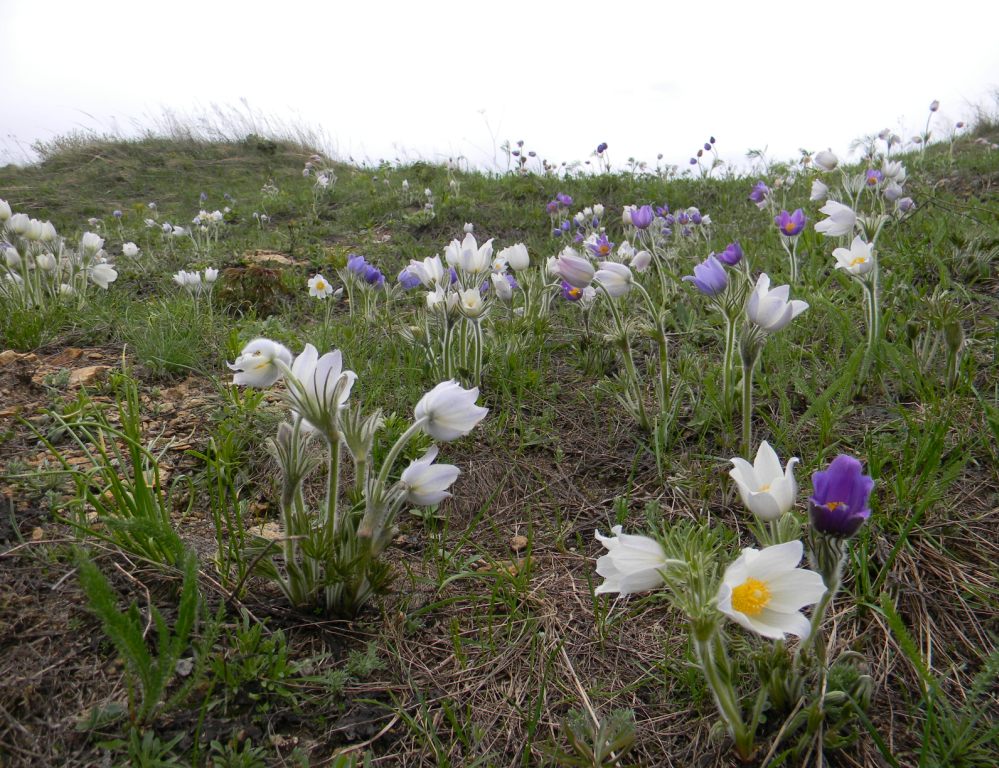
750,597
789,227
858,260
832,505
320,286
764,488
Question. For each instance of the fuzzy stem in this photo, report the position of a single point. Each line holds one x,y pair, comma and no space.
713,659
629,362
747,406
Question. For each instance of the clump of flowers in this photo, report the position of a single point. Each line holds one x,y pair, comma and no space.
328,559
765,591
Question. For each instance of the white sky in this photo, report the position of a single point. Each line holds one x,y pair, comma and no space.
383,78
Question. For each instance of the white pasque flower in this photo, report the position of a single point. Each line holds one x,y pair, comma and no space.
449,411
516,256
46,261
825,160
18,223
11,257
841,221
641,261
102,274
858,259
319,287
632,563
770,309
426,483
5,212
468,256
189,280
819,191
257,365
504,291
576,270
430,271
766,490
615,278
470,302
764,591
211,275
321,387
131,250
91,243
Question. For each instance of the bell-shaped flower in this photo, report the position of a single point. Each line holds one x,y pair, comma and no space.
764,591
771,310
709,276
131,250
825,160
857,260
211,275
502,286
615,278
102,274
449,411
790,224
46,261
320,389
48,232
11,257
576,270
470,302
516,256
766,490
319,287
641,261
19,223
426,483
819,191
839,505
5,212
468,256
91,243
841,221
257,364
732,254
632,563
642,217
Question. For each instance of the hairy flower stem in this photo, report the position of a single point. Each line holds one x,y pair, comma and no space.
747,407
331,519
728,361
662,342
477,368
629,361
396,449
714,662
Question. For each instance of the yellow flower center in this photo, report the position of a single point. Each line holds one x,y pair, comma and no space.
604,249
764,488
832,505
320,285
789,227
575,292
858,260
750,597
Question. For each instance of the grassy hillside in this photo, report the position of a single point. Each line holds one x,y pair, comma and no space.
125,448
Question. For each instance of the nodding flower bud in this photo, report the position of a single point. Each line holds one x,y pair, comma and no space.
954,335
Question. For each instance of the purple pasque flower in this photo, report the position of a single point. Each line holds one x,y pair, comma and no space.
602,247
838,506
709,277
563,199
790,224
707,146
662,210
759,193
696,218
552,207
571,293
874,177
356,264
601,147
642,217
408,280
693,161
732,254
116,214
373,276
683,218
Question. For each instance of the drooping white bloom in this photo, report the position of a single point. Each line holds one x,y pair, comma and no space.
436,298
819,191
430,271
188,280
11,257
641,261
764,591
516,256
319,287
450,411
894,170
48,232
576,270
426,483
626,213
840,222
632,563
615,278
211,275
598,210
825,160
34,230
771,310
504,291
91,243
149,222
131,250
256,365
5,212
858,259
102,274
766,490
324,385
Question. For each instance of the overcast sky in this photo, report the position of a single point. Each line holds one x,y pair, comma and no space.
387,79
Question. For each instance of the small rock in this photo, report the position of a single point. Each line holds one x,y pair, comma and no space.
518,543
